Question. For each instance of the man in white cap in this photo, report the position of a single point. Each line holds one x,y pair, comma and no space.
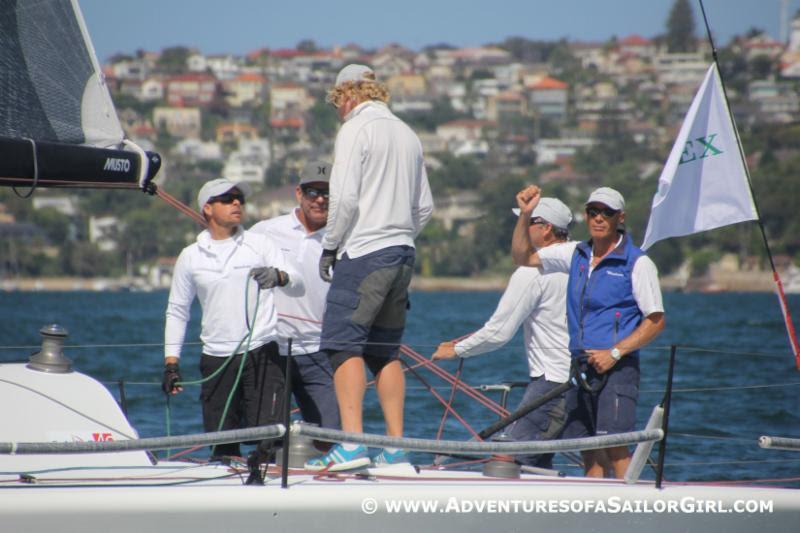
299,235
614,308
539,303
216,269
380,201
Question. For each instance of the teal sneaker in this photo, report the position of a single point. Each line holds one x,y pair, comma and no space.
385,458
342,459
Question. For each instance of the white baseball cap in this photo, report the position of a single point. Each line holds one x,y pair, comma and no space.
607,196
553,210
219,186
355,73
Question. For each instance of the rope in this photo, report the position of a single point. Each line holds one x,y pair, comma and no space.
224,365
446,376
180,206
448,407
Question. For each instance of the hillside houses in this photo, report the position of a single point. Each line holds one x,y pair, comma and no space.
265,110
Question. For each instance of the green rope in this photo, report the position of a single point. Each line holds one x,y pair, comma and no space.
248,337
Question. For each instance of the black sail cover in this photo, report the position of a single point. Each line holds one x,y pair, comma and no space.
58,125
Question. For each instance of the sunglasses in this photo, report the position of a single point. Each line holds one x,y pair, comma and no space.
538,220
313,193
607,212
228,198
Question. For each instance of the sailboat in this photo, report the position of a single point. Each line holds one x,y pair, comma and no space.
70,460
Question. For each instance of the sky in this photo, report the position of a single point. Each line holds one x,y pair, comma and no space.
240,26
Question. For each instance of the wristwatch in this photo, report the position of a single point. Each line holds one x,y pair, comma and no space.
616,354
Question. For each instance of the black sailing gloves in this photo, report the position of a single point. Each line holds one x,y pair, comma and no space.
326,262
269,277
172,375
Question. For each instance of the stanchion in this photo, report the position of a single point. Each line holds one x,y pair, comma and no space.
662,447
287,419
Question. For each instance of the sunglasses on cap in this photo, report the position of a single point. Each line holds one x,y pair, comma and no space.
313,193
228,198
607,212
538,220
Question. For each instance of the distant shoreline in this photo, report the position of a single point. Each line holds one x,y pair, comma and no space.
753,281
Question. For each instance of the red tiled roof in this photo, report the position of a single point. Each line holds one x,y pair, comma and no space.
286,53
255,54
253,77
287,85
547,83
635,40
295,122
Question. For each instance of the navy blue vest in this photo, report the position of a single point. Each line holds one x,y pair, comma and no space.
601,309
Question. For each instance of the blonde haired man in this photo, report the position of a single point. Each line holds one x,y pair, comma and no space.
379,202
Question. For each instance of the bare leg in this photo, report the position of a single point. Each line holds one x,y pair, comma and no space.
390,383
592,463
620,459
596,463
351,383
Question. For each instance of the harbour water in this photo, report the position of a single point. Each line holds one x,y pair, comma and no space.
735,377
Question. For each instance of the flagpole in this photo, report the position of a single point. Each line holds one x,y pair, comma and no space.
778,283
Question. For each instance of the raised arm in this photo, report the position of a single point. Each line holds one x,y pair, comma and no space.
522,250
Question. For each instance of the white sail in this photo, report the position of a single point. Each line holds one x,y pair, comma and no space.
51,84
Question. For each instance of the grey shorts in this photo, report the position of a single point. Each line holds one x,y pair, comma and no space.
365,312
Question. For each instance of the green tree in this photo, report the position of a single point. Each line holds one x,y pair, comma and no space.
307,45
680,28
456,173
324,122
173,59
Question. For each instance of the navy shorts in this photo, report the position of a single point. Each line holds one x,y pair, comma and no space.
612,410
365,311
543,423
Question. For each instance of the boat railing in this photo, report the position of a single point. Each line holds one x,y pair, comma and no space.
779,443
275,431
480,448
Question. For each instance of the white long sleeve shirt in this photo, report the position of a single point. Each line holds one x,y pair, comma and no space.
380,195
539,302
299,316
217,272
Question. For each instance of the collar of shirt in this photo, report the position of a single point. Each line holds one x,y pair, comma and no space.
204,240
364,106
298,225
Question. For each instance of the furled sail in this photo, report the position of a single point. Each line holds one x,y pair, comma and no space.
58,125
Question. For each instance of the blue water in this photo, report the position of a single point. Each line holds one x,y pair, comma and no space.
735,343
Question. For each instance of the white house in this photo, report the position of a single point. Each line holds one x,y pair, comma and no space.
105,232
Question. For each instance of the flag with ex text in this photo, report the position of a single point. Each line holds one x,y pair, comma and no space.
704,183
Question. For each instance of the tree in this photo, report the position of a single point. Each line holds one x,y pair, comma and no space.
324,122
173,59
456,173
307,45
680,28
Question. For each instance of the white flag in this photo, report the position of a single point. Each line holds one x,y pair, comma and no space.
704,184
